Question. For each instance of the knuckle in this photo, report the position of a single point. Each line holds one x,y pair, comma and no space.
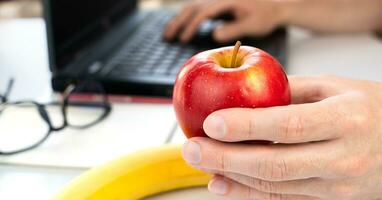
356,166
223,161
292,128
361,118
273,169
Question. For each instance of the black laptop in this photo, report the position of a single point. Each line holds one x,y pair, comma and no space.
121,47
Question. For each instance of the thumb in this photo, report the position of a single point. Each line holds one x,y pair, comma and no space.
228,32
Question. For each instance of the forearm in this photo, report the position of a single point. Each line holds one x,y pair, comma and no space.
335,15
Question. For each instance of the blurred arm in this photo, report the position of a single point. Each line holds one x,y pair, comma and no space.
335,15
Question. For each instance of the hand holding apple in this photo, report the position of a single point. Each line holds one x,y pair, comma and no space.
228,77
329,144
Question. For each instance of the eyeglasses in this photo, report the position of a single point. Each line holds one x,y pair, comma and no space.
24,125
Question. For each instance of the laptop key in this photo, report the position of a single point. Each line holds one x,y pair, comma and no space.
143,69
160,70
147,53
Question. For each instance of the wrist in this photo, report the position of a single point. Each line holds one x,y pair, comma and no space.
289,11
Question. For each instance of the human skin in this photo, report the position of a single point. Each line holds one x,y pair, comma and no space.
259,17
328,144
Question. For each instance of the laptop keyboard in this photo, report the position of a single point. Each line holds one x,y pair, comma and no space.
145,53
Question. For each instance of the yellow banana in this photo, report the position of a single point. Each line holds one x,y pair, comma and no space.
135,176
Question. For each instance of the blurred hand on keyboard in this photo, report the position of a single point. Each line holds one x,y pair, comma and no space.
250,17
259,17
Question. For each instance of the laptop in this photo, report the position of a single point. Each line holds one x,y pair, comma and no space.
121,47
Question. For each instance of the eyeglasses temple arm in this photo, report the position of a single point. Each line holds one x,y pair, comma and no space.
9,88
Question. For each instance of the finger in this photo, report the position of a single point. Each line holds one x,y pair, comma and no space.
310,89
266,162
179,21
208,11
230,31
311,186
284,124
226,187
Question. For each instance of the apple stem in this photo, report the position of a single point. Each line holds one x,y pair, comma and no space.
234,55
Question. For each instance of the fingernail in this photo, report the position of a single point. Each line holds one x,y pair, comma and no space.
215,126
218,186
191,152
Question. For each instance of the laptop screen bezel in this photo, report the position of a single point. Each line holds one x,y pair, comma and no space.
53,63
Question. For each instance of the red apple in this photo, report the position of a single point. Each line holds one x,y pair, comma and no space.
227,77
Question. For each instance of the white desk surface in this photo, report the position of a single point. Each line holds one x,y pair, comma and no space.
41,172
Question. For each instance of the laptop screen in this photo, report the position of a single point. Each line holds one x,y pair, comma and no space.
74,24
